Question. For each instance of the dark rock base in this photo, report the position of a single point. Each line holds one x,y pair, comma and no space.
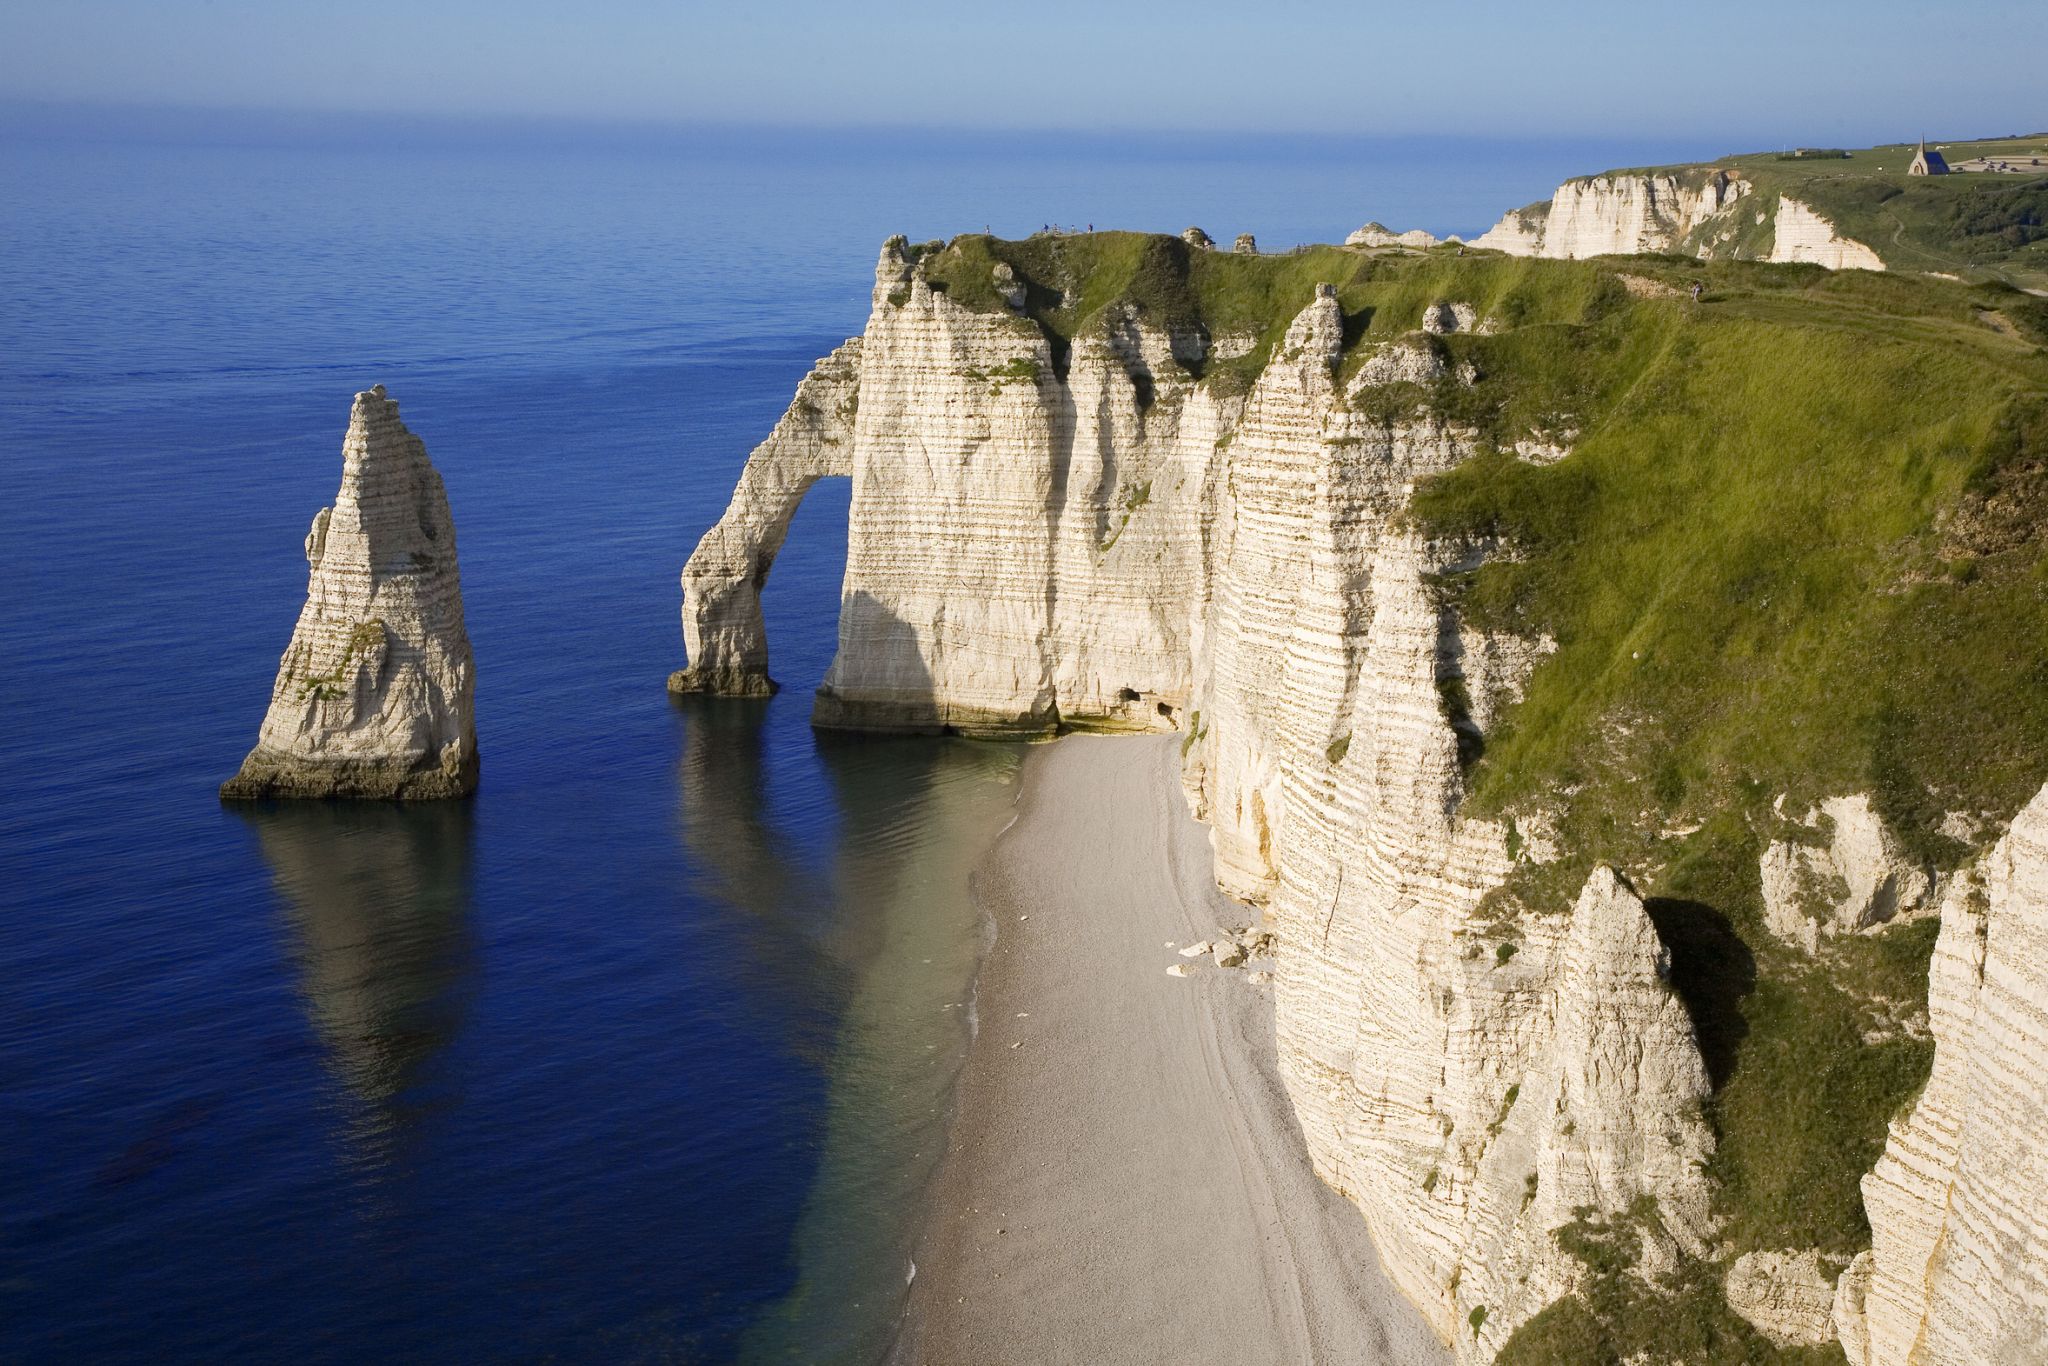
722,683
267,774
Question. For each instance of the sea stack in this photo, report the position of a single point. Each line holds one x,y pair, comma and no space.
375,696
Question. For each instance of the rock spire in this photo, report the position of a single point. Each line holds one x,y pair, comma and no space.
375,694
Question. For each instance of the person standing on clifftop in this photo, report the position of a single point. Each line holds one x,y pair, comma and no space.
1695,291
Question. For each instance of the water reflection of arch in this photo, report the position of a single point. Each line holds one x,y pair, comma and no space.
775,931
803,858
807,855
377,896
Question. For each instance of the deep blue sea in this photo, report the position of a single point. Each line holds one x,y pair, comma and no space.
643,1054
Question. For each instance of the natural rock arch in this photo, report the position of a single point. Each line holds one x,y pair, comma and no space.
722,625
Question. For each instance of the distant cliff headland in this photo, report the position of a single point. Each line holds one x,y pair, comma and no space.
1972,211
1618,680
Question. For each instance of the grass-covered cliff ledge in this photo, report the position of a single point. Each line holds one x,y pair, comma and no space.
1069,282
1986,220
1797,550
1794,551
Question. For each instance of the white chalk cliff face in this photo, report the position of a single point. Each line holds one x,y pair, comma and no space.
1023,549
1685,214
1858,879
1377,235
1048,535
1102,539
1615,215
1803,235
375,696
1958,1265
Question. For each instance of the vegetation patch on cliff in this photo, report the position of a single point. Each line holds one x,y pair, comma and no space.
1075,285
1797,549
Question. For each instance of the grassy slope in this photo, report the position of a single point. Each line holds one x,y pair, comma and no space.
1795,551
1758,584
1977,226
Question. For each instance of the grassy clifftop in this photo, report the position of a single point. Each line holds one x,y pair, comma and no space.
1798,549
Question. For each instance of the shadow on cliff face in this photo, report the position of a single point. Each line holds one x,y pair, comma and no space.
378,899
879,680
1356,325
1713,972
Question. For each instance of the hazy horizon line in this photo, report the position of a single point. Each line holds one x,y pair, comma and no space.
172,124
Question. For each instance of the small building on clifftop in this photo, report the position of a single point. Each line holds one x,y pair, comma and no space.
1926,162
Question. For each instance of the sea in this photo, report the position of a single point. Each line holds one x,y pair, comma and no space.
645,1053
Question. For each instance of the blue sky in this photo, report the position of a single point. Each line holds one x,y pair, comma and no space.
1750,73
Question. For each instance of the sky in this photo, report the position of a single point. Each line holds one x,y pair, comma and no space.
1754,74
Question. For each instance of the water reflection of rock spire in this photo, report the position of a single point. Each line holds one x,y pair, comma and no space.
379,898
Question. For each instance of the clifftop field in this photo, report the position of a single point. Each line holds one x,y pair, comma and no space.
1977,225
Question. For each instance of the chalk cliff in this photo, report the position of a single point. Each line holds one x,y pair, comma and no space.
1958,1265
1185,501
1857,879
1800,234
1091,534
1711,214
375,696
1377,235
1622,214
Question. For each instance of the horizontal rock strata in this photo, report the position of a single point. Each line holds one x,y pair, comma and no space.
375,696
1957,1271
1093,535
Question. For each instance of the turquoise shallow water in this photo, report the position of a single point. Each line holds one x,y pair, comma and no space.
642,1055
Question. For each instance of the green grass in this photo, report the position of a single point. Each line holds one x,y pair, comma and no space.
366,636
1961,224
1071,284
1741,564
1797,549
1615,1316
1801,1101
